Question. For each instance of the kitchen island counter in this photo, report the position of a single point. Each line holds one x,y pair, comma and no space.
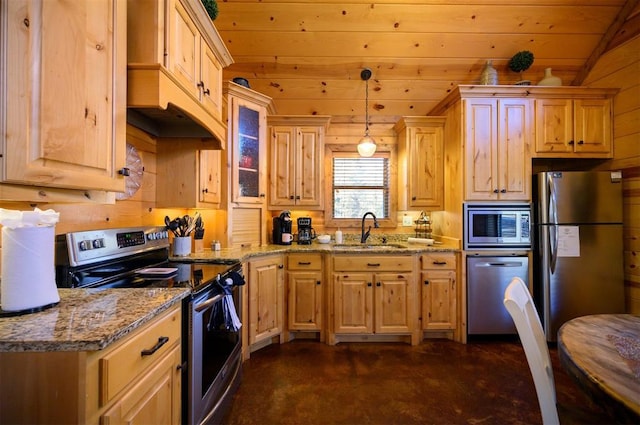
86,319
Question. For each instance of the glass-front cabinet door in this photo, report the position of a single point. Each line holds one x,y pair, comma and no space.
249,167
248,135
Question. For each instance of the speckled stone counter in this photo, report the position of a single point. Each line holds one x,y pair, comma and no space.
244,254
86,319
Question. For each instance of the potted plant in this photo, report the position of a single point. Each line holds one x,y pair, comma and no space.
520,62
211,6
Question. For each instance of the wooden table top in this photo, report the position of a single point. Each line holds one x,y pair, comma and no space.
602,353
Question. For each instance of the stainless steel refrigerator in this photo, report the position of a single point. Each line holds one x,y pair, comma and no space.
578,249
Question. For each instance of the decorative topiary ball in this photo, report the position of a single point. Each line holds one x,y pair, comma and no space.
211,6
521,61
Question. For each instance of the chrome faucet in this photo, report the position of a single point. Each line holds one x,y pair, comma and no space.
363,235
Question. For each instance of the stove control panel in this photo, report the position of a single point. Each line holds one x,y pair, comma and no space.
91,246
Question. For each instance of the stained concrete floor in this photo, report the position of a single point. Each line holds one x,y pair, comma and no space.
436,382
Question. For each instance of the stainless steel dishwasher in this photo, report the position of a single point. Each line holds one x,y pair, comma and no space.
487,279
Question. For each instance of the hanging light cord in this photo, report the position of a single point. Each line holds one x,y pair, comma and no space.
366,107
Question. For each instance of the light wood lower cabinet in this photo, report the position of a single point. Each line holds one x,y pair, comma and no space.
373,296
304,292
438,279
117,385
266,300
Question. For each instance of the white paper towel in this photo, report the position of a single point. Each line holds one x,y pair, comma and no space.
420,240
28,268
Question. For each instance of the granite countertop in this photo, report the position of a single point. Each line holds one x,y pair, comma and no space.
244,254
86,319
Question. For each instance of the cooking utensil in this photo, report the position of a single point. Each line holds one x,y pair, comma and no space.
171,225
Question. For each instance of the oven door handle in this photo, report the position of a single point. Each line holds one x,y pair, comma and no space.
208,303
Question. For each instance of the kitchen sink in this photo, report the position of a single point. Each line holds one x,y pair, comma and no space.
360,246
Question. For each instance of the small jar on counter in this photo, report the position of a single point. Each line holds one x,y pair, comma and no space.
215,245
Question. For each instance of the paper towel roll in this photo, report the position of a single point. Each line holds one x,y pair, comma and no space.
28,268
420,240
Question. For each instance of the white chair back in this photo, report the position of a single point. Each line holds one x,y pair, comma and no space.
519,304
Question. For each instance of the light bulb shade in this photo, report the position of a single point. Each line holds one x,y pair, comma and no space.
367,146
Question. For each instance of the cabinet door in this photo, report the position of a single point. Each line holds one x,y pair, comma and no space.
439,300
248,166
393,310
426,175
282,190
592,126
155,398
514,155
305,300
266,298
183,54
554,126
209,169
309,167
211,86
353,303
63,122
481,157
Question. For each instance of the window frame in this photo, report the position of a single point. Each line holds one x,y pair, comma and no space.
349,151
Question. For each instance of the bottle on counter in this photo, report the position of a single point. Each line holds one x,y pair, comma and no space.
338,236
215,245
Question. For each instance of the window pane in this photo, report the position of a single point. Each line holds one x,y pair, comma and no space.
360,185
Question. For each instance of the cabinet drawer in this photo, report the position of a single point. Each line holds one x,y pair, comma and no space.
124,363
438,261
372,263
304,262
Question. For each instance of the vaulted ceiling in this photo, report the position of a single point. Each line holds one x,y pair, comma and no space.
307,55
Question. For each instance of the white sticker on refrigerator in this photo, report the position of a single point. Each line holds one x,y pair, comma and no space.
568,241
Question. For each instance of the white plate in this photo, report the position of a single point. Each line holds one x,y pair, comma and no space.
158,270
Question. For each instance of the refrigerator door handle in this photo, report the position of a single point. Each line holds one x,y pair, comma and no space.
553,246
553,220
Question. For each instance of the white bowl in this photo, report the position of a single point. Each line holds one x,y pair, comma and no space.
324,238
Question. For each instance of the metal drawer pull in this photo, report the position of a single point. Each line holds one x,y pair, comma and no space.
304,263
373,264
161,341
439,263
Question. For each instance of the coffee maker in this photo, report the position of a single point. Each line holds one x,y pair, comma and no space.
282,224
305,232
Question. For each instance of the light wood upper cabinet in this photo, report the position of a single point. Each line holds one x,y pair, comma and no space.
296,161
567,128
420,162
175,61
64,108
497,134
188,174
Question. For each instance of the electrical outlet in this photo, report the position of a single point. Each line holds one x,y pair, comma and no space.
406,220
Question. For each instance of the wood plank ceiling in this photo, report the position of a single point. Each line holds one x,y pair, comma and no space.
307,54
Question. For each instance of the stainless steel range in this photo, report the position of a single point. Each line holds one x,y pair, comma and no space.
139,257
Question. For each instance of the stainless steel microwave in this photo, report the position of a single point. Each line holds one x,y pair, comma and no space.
497,226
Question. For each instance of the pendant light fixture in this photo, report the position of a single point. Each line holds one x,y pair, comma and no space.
366,146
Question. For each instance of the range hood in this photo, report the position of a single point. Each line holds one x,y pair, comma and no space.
157,104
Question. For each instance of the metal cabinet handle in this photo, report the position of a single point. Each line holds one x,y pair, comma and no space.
369,284
426,282
318,282
291,197
149,351
205,190
571,142
206,92
378,284
124,171
581,142
503,191
281,266
373,264
495,190
439,263
304,263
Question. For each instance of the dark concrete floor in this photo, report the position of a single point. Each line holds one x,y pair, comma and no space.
436,382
